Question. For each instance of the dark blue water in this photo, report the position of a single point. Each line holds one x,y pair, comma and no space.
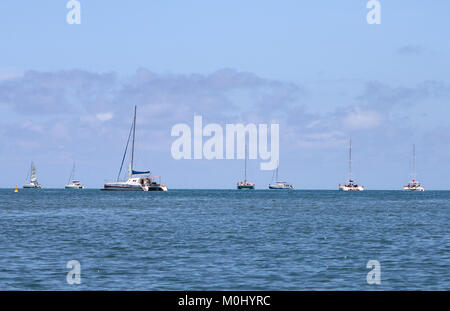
224,240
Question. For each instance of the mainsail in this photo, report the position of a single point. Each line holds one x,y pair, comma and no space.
33,173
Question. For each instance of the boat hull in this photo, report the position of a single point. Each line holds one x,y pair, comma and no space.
32,186
350,188
281,187
74,187
246,187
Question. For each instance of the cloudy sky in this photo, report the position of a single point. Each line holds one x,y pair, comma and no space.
315,67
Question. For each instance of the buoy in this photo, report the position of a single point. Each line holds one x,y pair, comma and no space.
16,189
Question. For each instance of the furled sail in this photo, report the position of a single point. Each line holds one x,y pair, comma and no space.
33,173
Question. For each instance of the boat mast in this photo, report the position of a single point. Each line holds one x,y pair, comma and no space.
276,177
132,143
414,162
350,161
245,170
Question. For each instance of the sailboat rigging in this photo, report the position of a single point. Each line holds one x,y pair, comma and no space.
414,185
33,184
351,185
245,184
144,183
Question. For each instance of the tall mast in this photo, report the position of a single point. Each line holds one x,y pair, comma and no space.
245,170
132,144
350,161
414,162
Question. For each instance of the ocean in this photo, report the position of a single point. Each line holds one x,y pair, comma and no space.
224,240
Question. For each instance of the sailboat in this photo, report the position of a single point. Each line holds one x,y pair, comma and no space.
280,185
414,185
143,181
34,184
245,184
351,185
72,183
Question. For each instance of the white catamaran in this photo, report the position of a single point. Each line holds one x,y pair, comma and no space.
143,183
280,185
245,184
34,184
72,183
414,185
351,185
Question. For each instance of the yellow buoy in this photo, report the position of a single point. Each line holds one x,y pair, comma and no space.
16,189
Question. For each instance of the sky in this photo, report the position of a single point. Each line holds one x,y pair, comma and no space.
317,68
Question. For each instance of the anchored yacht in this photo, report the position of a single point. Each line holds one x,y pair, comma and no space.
245,184
137,180
414,185
280,185
351,185
34,184
72,183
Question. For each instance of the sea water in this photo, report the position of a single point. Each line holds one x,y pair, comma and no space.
224,240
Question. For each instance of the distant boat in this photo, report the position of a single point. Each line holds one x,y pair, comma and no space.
72,183
245,184
144,183
351,185
34,184
414,185
280,185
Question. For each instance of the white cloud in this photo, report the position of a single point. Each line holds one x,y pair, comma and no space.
358,119
105,116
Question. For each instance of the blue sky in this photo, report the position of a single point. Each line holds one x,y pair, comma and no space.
316,67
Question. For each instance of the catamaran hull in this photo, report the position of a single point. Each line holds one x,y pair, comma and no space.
32,186
246,187
73,187
418,189
350,188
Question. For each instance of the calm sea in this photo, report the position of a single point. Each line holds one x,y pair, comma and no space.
224,239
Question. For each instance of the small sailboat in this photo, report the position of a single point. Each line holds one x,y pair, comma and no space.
245,184
280,185
144,182
72,183
351,185
414,185
34,184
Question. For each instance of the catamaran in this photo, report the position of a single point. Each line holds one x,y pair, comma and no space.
34,184
72,183
144,182
245,184
351,185
414,185
280,185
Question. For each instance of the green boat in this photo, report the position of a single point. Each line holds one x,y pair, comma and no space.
245,184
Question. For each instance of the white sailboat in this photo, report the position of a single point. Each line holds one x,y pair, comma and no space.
245,184
351,185
72,183
280,185
414,185
144,182
34,184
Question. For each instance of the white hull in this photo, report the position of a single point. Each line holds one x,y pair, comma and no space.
350,188
74,187
281,187
135,184
414,188
32,186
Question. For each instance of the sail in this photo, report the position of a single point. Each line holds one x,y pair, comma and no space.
33,173
140,172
